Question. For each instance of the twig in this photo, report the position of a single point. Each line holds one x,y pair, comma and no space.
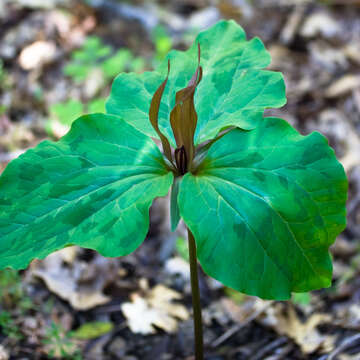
270,347
289,3
284,351
345,344
234,329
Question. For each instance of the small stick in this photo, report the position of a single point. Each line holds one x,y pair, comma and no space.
345,344
270,347
234,329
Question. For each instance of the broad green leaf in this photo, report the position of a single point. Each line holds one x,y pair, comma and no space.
93,188
264,207
234,90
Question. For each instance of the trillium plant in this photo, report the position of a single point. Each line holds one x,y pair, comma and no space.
262,203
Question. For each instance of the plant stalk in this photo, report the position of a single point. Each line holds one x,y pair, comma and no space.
199,351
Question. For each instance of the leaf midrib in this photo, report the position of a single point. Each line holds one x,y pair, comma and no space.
252,231
70,202
270,206
67,230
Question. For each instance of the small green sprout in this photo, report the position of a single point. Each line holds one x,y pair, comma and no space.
59,343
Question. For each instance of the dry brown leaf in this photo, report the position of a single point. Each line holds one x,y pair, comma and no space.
348,357
239,313
4,355
37,54
305,334
320,23
177,265
352,51
17,136
155,309
67,282
348,316
343,85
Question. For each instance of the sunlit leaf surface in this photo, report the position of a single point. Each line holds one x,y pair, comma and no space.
234,89
93,188
264,208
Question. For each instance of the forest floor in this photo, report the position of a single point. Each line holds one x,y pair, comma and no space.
57,61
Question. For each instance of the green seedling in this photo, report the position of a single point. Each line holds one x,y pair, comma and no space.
8,327
10,286
182,248
96,105
261,202
95,55
67,111
87,58
63,114
5,83
12,293
92,330
301,298
162,43
59,343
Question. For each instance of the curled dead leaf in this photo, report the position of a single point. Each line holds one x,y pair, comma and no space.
304,333
342,86
156,309
68,281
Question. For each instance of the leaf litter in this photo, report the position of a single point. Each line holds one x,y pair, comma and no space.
313,66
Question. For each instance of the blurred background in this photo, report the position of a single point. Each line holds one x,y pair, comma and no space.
57,61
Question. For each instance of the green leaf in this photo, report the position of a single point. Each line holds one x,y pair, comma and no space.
182,248
93,188
96,105
92,330
67,112
301,298
116,63
264,207
234,90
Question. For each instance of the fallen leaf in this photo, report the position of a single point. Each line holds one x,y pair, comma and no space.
320,23
352,51
78,284
305,334
348,316
4,355
348,357
327,57
342,86
154,309
41,4
37,54
178,265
